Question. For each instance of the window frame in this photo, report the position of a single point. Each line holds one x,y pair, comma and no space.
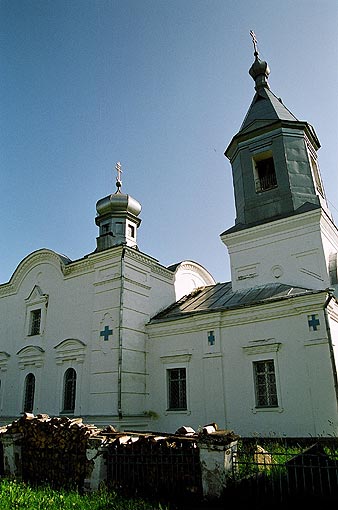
35,322
182,396
131,231
29,393
257,161
105,228
69,391
263,383
34,302
317,180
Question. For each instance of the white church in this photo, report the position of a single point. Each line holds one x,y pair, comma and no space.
117,338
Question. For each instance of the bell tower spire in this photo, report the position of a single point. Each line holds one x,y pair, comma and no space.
273,157
277,186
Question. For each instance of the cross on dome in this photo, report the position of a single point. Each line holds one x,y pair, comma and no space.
259,70
254,40
118,177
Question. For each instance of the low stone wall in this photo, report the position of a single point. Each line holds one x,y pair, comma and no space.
68,453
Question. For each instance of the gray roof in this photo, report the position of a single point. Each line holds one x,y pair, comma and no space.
221,297
265,107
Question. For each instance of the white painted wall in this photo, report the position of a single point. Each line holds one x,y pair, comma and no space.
220,378
83,298
293,250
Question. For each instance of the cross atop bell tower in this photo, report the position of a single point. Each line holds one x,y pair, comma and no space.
254,41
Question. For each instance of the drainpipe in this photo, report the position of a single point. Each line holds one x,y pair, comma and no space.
329,337
119,367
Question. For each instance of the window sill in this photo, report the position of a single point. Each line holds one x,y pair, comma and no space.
276,409
177,411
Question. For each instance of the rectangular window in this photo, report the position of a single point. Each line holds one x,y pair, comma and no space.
177,389
105,228
264,170
35,322
316,176
265,383
333,268
131,231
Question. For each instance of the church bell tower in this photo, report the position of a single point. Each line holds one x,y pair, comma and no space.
284,231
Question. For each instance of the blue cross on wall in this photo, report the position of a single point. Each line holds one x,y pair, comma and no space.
211,338
313,322
106,332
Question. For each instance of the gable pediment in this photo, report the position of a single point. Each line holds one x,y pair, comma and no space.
36,296
70,349
31,355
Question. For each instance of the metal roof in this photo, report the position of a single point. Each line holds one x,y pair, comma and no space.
221,297
266,107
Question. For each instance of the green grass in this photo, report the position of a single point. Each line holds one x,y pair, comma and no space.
16,495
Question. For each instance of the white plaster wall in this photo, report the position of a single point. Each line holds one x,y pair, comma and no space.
223,390
83,298
66,317
288,251
333,323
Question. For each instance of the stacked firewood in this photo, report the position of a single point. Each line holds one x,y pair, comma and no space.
41,431
53,449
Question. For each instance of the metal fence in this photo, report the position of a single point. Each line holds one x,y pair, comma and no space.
160,467
280,471
59,468
2,467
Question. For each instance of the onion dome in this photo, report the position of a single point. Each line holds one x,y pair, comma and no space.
117,218
118,203
260,71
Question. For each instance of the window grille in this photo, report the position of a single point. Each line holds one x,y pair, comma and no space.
35,322
29,393
177,389
265,171
265,384
69,391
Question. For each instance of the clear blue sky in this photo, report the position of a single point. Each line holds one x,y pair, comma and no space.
162,86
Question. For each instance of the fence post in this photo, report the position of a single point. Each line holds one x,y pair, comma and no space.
12,455
95,453
216,463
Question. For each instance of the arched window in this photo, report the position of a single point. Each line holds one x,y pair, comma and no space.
29,393
69,390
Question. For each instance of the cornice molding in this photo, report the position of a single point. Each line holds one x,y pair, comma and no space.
262,348
27,264
81,266
176,358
